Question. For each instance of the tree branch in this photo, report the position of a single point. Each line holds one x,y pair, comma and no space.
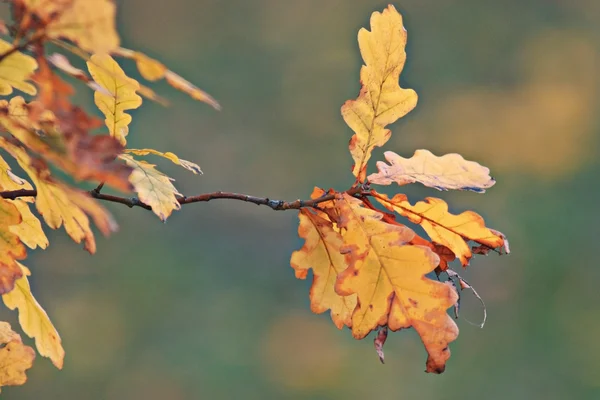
277,205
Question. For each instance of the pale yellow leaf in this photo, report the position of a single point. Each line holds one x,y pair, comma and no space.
450,171
190,166
153,187
34,320
15,70
121,94
30,229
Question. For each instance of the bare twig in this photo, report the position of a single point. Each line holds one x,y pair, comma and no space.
277,205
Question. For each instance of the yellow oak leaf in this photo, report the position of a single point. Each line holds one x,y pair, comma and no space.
15,70
190,166
30,230
34,320
321,252
89,24
11,248
15,357
381,100
452,231
9,181
450,171
153,187
388,275
118,94
60,204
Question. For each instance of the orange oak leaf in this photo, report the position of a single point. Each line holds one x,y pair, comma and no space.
452,231
89,24
15,357
11,248
450,171
381,100
388,275
60,204
54,93
321,252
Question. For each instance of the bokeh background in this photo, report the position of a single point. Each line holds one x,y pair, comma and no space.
206,306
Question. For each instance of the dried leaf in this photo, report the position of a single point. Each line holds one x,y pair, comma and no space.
388,274
15,357
450,171
89,24
54,92
190,166
381,100
453,231
121,94
16,69
321,252
60,204
153,187
11,248
379,341
34,320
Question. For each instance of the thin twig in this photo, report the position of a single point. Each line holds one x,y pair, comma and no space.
22,46
277,205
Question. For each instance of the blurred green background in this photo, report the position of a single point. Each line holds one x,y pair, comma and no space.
206,306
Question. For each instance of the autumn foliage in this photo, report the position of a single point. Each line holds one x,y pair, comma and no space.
370,270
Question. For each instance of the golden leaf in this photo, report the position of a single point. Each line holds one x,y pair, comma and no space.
15,357
60,204
450,171
34,320
190,166
11,248
381,100
118,94
452,231
388,275
321,252
15,70
153,187
30,229
89,24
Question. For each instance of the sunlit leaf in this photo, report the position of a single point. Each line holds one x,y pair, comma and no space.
452,231
190,166
153,187
34,320
321,252
16,69
11,248
89,24
15,357
381,100
450,171
30,230
388,275
121,94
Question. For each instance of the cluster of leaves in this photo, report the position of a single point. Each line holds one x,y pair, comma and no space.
47,132
370,269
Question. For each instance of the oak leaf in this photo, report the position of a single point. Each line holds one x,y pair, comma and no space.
34,320
381,100
54,92
60,204
190,166
321,252
153,187
30,230
15,357
452,231
16,69
11,248
89,24
388,275
450,171
119,94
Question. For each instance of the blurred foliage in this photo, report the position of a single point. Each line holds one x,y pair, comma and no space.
199,307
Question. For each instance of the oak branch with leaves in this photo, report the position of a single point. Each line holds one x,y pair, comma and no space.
370,269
